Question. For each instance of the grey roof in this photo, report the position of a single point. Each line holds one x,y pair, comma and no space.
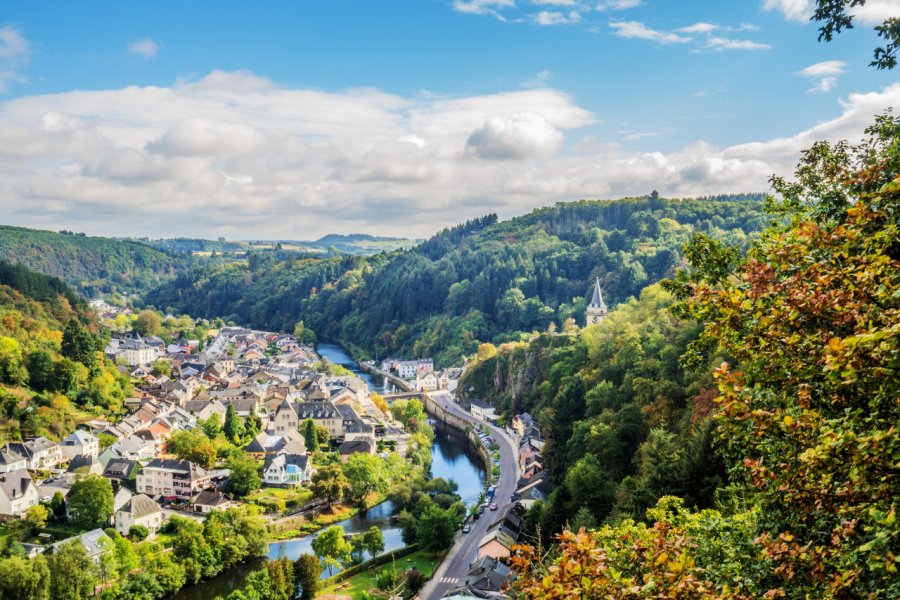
15,483
141,506
298,460
80,462
30,447
178,466
120,468
354,446
597,298
316,410
210,498
90,540
347,412
8,456
78,437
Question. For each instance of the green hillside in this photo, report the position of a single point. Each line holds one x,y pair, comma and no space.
484,280
92,265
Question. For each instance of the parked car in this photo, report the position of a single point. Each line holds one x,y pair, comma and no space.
466,529
493,506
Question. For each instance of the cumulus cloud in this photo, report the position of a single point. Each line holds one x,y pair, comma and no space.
823,75
618,4
546,18
637,30
873,12
483,7
145,47
15,52
524,135
234,154
723,43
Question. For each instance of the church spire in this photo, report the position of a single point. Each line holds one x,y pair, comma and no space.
596,310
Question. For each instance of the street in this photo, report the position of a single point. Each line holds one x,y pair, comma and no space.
464,552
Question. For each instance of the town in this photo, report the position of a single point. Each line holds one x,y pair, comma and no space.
246,419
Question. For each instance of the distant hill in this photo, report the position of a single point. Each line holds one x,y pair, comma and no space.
484,280
92,265
356,243
361,243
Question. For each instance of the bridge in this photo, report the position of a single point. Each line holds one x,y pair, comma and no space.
403,395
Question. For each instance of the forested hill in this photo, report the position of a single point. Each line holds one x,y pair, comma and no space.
485,280
91,264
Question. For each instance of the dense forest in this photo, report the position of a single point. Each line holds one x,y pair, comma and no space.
52,370
626,422
93,265
483,280
733,433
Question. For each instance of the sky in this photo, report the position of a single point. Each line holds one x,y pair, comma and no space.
290,120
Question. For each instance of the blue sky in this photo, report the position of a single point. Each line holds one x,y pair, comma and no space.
385,105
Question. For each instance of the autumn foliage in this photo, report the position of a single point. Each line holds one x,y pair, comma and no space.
809,403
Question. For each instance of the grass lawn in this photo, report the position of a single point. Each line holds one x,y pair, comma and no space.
269,497
425,563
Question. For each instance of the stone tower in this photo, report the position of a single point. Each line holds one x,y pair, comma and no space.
596,310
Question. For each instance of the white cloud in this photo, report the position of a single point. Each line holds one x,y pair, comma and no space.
234,154
145,47
524,135
873,12
794,10
483,7
637,30
15,52
721,43
618,4
546,18
699,28
823,75
555,2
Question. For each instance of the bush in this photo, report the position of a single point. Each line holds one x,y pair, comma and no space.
138,533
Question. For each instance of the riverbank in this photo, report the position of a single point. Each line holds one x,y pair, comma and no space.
299,525
355,585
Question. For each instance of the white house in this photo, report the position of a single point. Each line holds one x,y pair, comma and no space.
10,460
482,410
139,510
287,469
79,442
95,542
427,382
17,492
40,452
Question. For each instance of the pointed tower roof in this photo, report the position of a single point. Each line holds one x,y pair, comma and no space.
597,299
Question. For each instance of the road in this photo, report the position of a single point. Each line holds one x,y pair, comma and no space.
464,552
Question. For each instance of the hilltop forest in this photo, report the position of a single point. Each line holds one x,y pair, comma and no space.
484,280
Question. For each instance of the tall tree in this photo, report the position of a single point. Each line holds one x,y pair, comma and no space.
24,579
79,344
148,322
73,575
837,15
244,478
332,547
330,483
90,501
435,529
310,435
307,570
366,474
233,428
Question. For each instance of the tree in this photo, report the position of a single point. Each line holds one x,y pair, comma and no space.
24,579
234,429
73,575
106,440
330,483
12,371
138,533
374,541
212,426
323,435
810,412
40,370
162,368
148,322
307,570
435,529
36,516
79,344
90,501
332,547
365,473
836,15
310,435
244,477
58,506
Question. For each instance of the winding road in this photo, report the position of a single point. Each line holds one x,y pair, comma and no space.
452,571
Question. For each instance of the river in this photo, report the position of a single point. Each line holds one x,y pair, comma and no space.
452,458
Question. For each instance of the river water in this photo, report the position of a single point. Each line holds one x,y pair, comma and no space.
452,458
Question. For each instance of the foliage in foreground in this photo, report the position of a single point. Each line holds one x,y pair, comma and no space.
809,414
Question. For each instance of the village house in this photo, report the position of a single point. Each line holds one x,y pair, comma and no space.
171,479
40,452
209,500
94,542
10,460
287,469
482,410
290,415
17,492
140,510
79,442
